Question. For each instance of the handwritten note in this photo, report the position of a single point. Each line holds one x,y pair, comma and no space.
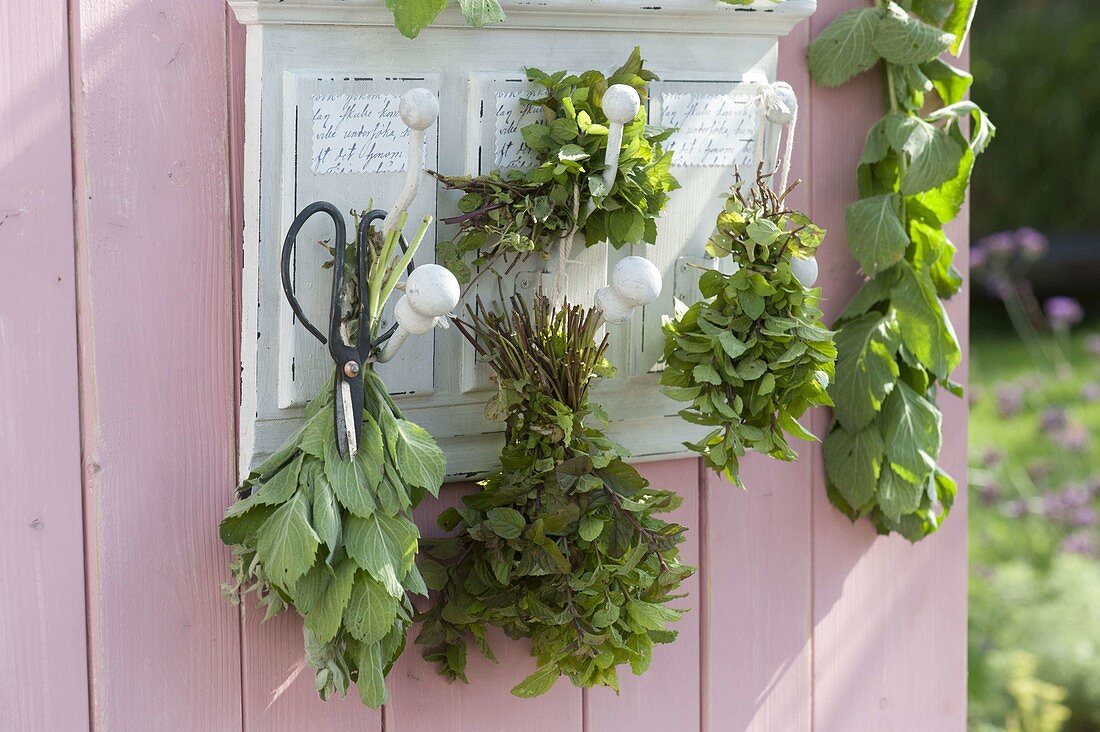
509,150
358,133
715,130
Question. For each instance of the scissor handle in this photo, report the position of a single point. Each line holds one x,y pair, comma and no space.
288,252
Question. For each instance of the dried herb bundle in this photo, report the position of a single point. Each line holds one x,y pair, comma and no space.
753,356
562,545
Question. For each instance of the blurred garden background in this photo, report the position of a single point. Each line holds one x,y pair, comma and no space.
1035,370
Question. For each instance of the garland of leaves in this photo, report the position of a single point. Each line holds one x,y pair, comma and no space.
511,213
752,356
562,545
896,344
333,537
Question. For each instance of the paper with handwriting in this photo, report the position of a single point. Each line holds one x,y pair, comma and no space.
714,130
509,150
358,133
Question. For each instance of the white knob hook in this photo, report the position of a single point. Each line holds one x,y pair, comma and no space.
419,110
635,281
621,104
431,291
804,270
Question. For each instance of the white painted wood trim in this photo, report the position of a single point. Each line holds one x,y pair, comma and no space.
763,17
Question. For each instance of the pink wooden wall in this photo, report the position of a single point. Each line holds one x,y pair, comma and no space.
120,160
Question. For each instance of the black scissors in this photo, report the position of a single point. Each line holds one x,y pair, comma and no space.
347,388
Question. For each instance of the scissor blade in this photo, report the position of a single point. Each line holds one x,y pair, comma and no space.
341,412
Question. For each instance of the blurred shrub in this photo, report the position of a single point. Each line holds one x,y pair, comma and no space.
1034,66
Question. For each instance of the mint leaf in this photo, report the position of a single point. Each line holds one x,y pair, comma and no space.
323,617
355,480
370,611
419,460
538,683
903,40
866,369
934,156
875,232
413,16
923,324
326,514
286,544
372,681
951,83
385,546
853,463
480,13
845,48
958,23
507,523
912,433
897,497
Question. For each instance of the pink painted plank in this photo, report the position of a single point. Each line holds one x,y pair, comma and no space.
157,342
889,617
667,696
757,593
420,699
757,648
273,659
43,649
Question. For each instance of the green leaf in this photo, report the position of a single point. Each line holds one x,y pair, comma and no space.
731,345
705,373
538,683
372,681
946,202
419,460
590,527
875,147
326,514
897,497
354,481
286,544
934,156
903,40
876,235
763,232
923,323
317,432
506,522
853,463
385,546
370,611
278,489
650,616
958,23
845,48
866,369
323,618
480,13
413,16
951,83
911,429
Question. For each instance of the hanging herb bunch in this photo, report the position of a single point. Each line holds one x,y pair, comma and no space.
562,545
752,356
332,537
896,345
506,214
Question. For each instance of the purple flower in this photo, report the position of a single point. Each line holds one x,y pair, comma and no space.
1063,312
1033,245
1092,344
1080,542
1016,509
1084,516
1090,392
992,458
1003,242
1053,419
1010,400
979,255
1039,471
1075,438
